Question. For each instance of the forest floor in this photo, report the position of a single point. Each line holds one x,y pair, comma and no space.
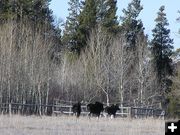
68,125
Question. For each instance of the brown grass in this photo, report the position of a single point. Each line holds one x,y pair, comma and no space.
64,125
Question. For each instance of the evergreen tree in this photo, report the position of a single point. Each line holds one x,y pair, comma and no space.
35,10
87,18
21,8
5,10
130,24
41,12
84,16
101,10
161,47
71,25
109,20
87,21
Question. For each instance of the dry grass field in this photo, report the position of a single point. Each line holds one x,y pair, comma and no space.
67,125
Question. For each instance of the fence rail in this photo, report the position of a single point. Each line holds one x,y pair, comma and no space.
134,112
25,109
62,109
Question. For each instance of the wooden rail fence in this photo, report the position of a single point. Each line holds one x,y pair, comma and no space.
64,109
25,109
134,112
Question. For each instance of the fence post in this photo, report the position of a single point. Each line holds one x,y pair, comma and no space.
53,108
10,109
122,111
70,108
130,112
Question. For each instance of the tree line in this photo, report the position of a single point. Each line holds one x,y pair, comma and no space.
95,56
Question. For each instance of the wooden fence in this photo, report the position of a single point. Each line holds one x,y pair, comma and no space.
146,112
66,109
133,112
25,109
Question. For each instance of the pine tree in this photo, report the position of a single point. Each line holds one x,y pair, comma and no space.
101,10
41,12
109,20
87,21
71,25
21,8
5,10
161,47
91,13
37,10
130,24
87,17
